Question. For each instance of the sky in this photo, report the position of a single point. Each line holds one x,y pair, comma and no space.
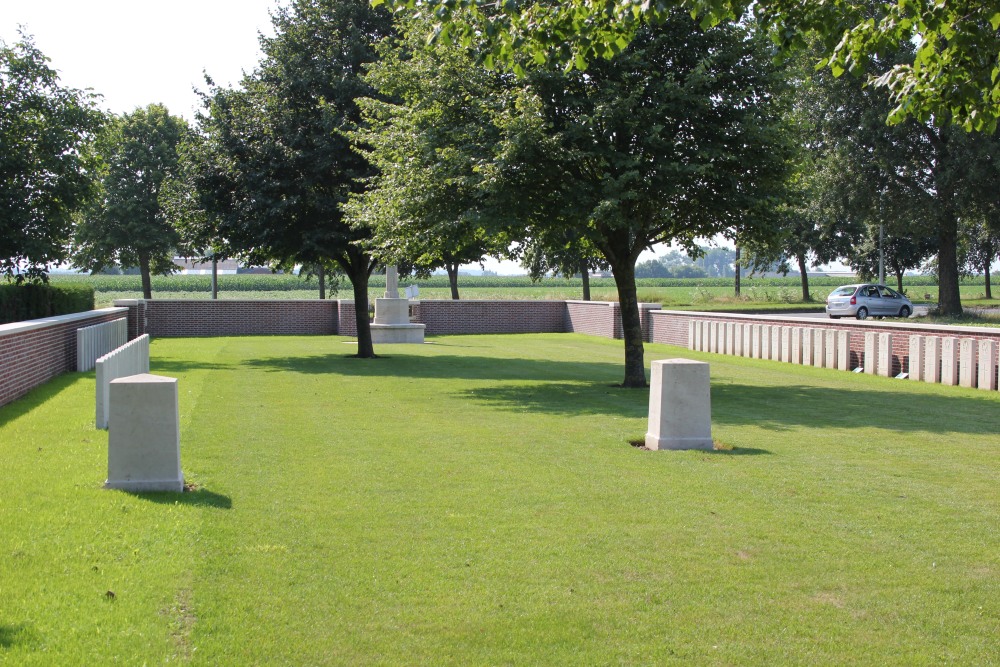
139,52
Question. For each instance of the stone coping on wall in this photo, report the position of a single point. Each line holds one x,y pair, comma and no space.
872,323
41,323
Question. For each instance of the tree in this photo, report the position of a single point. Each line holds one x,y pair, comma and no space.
901,253
953,79
125,225
426,133
46,165
276,163
575,256
915,178
982,245
671,140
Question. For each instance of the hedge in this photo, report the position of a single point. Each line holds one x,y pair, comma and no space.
34,301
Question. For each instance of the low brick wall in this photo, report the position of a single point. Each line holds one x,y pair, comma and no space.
671,327
34,352
172,318
491,317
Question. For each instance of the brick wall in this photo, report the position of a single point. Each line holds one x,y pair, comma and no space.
491,317
34,352
171,318
594,318
671,327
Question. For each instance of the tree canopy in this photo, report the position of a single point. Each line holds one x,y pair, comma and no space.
673,139
125,224
275,164
46,165
954,78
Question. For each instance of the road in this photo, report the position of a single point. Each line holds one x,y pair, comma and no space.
919,310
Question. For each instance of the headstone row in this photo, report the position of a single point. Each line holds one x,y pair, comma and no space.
822,348
948,360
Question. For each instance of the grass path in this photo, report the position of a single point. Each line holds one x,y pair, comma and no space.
476,501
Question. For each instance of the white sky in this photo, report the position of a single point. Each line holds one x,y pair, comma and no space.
139,52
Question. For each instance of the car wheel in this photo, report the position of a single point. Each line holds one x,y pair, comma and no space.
904,311
862,313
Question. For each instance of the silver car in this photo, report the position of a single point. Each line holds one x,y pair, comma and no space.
867,300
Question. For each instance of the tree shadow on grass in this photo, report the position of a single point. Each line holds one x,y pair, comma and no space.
11,635
184,366
39,396
777,408
200,497
442,367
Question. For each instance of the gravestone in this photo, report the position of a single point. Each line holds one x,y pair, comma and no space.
392,315
680,405
144,444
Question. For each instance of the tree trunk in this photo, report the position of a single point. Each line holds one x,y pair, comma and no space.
635,370
452,268
949,297
899,280
800,257
988,247
738,269
585,280
357,266
321,272
147,285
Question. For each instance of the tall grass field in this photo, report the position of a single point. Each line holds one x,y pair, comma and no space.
476,501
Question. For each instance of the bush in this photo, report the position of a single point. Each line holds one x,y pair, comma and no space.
33,301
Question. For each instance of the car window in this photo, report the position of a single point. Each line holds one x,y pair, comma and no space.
871,291
843,291
888,293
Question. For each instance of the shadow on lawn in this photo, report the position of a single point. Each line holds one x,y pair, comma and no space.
200,497
11,635
38,396
444,366
778,407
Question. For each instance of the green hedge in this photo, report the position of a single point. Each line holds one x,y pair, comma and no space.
34,301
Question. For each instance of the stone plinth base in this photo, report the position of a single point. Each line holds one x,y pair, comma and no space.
392,311
680,405
397,333
144,445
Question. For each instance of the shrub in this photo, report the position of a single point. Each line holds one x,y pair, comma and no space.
34,300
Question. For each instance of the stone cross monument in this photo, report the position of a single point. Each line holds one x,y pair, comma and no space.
391,283
392,315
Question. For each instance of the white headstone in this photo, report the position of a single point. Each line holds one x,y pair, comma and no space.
967,363
987,364
680,405
144,446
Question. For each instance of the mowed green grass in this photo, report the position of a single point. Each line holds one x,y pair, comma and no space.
476,501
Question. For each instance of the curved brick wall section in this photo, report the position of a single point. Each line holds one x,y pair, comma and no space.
171,318
34,352
492,317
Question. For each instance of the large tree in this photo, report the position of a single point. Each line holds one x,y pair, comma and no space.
46,165
914,178
427,134
671,140
276,163
125,225
953,79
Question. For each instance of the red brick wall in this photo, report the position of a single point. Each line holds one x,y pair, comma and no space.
170,318
671,327
489,317
347,318
595,318
34,352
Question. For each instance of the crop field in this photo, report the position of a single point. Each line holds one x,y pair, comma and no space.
477,501
777,293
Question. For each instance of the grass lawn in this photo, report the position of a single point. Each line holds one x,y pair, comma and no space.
476,501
